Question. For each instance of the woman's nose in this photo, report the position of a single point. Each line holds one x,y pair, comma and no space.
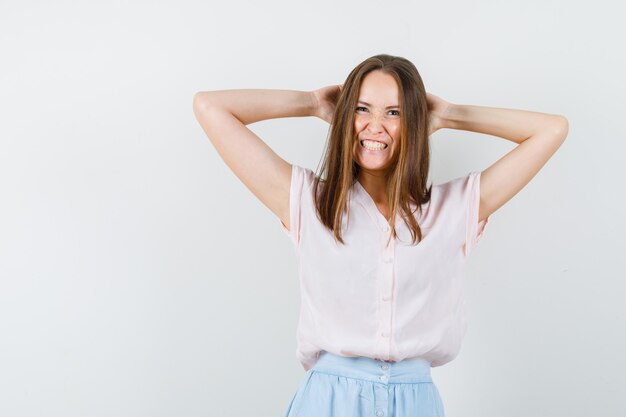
375,124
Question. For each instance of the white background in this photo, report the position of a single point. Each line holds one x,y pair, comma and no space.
139,277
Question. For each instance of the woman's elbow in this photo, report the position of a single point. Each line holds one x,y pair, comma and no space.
562,126
200,99
558,126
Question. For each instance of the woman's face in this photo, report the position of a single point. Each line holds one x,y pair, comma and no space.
377,118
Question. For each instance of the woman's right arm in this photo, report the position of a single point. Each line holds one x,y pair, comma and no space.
254,105
224,114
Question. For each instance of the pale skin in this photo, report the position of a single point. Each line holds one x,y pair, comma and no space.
224,114
377,118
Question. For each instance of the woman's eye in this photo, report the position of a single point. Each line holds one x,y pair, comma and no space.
364,108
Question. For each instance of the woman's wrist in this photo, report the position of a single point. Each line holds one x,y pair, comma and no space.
451,116
314,104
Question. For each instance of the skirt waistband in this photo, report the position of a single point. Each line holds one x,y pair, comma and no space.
376,370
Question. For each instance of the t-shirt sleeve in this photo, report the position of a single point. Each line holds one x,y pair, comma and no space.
298,184
474,228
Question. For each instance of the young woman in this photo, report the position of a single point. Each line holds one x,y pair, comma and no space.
381,253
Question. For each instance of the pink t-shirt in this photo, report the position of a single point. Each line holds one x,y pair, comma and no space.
388,303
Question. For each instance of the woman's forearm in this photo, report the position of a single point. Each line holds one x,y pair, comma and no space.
512,124
253,105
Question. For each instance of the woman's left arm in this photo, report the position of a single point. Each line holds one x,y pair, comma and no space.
538,136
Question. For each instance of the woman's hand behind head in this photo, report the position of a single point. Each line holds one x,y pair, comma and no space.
438,109
325,99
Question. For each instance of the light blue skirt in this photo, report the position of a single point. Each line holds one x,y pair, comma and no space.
339,386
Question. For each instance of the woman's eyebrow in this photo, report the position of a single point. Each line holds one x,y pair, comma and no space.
389,107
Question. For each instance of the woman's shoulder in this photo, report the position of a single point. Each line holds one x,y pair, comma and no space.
303,175
455,190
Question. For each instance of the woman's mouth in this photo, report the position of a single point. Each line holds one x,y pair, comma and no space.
372,145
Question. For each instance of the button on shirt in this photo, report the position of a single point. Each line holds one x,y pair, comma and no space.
388,302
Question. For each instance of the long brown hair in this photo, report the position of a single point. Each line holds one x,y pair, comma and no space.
406,181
